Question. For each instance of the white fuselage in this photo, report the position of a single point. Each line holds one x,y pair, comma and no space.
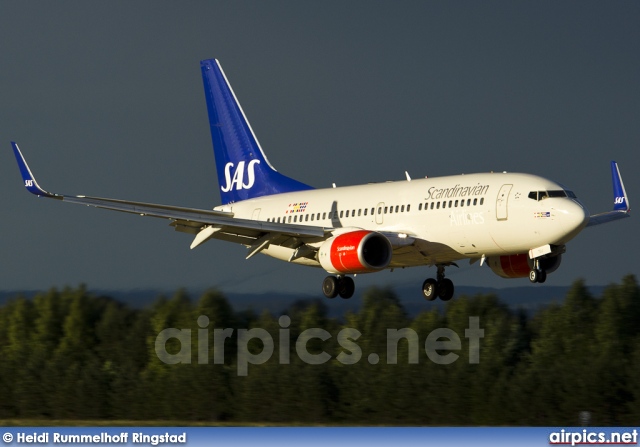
464,216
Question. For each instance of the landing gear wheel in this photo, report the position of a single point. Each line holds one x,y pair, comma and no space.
542,276
330,287
533,275
346,287
445,289
430,289
538,276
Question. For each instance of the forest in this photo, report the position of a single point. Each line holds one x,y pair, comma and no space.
71,355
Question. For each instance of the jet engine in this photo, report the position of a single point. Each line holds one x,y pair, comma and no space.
519,266
355,252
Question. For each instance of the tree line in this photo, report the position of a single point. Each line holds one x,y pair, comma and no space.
69,355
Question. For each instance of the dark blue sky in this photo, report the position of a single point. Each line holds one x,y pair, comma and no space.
106,99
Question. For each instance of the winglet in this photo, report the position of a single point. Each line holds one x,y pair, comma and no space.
29,180
620,199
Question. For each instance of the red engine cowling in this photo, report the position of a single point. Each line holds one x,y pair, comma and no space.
519,266
355,252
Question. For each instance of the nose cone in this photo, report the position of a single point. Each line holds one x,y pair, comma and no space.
573,217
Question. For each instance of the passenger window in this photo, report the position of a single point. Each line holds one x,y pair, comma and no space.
312,216
341,214
438,206
450,203
397,206
482,201
365,211
360,213
444,204
408,208
420,207
353,213
306,218
385,209
475,202
290,219
390,210
347,214
462,202
324,216
468,202
431,205
379,210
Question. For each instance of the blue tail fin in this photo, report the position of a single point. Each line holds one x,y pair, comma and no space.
243,169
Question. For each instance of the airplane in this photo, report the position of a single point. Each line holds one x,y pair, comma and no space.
518,224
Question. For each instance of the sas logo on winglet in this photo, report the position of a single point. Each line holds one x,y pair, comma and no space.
237,182
619,200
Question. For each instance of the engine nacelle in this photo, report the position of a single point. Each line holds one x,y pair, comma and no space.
355,252
519,266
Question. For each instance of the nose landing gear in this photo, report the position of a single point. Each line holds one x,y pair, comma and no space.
537,273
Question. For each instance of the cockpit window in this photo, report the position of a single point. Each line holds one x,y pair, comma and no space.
541,195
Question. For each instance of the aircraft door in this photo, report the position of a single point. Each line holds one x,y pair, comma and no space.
379,211
502,202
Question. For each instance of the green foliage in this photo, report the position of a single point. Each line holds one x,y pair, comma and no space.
69,355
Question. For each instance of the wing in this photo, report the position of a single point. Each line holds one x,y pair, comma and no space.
411,250
620,201
204,224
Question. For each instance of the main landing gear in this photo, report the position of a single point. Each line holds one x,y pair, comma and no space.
332,286
441,287
537,273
